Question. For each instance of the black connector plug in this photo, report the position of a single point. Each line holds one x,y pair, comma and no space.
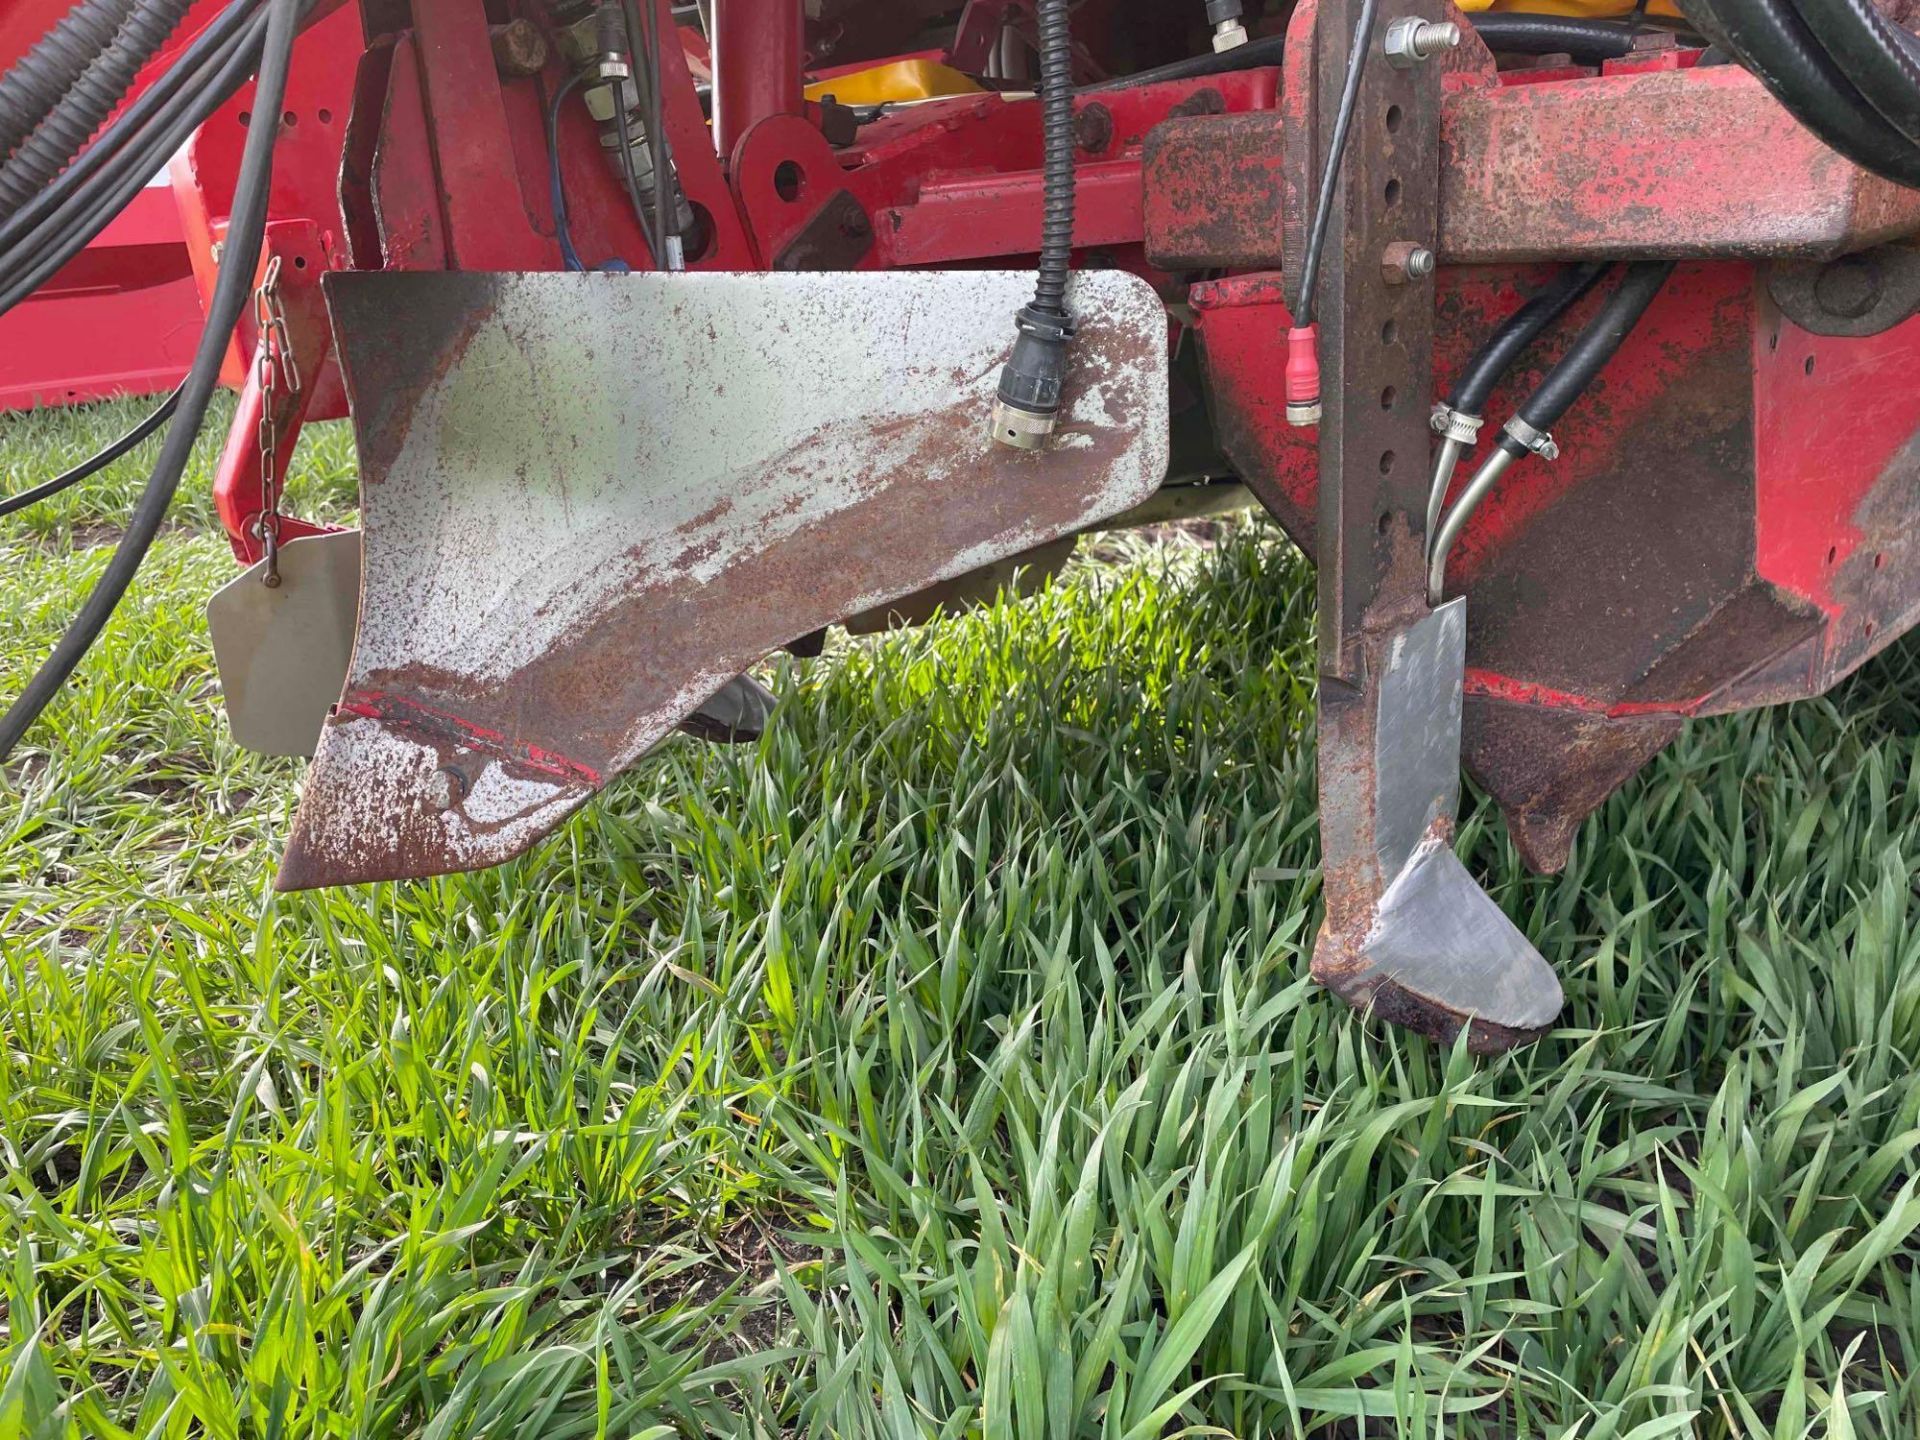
1028,403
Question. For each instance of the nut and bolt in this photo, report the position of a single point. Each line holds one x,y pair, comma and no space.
1403,261
519,48
1411,40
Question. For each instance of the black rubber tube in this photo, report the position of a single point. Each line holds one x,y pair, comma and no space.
35,82
1592,349
1872,52
94,463
130,123
87,104
1519,330
1268,50
1588,41
1770,40
246,228
31,262
1056,126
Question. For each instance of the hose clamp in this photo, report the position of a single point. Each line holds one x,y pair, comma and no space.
1528,438
1457,426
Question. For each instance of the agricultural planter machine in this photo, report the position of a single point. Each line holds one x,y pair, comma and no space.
1575,349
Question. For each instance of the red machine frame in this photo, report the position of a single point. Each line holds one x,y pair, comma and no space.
1605,609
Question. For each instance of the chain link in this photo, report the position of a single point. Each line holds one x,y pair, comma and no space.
277,374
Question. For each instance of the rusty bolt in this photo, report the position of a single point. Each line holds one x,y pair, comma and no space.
1411,40
449,787
1403,261
1093,128
519,49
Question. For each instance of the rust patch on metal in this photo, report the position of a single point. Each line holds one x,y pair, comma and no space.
1550,769
1214,191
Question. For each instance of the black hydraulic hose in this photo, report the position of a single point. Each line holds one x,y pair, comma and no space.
1590,352
1269,50
85,107
246,227
1498,352
1874,53
94,463
1056,101
131,123
1768,38
1336,151
1588,41
35,82
30,262
1585,359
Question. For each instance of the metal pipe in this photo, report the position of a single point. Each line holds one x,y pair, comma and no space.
1443,467
759,59
1484,479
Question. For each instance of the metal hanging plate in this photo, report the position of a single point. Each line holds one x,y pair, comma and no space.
283,649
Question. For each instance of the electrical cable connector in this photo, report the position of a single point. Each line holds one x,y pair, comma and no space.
1303,376
1027,405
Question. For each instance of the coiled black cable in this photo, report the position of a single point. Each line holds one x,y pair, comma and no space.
85,107
35,82
246,227
94,463
1056,101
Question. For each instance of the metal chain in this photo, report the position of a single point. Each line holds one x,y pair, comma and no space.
277,373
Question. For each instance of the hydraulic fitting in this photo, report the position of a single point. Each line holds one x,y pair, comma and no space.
610,43
1228,32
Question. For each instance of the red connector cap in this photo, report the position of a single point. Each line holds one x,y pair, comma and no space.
1303,375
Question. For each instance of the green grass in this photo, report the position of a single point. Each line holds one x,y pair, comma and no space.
942,1065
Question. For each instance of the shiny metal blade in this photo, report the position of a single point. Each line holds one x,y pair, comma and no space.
590,500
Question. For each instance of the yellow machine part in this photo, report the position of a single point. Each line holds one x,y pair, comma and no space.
893,82
1590,9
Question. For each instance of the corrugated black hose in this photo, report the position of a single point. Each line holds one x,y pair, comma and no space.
88,102
131,123
35,82
1028,401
